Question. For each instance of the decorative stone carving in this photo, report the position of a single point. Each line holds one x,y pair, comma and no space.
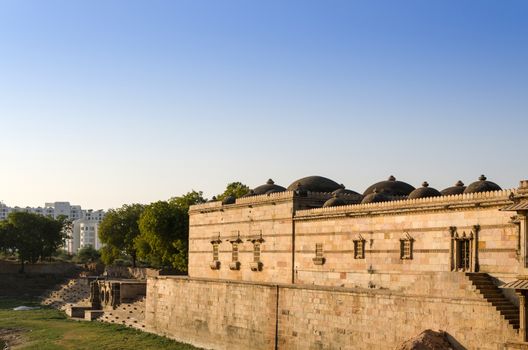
319,258
359,247
235,264
406,247
256,266
257,241
215,264
464,250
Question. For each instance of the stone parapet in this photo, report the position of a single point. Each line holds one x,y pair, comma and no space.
466,200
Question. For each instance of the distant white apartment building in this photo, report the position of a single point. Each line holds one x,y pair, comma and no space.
85,222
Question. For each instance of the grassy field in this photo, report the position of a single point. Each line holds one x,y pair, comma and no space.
49,329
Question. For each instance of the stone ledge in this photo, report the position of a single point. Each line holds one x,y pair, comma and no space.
368,292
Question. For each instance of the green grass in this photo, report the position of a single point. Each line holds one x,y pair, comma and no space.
50,329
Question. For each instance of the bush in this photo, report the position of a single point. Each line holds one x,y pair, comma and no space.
86,255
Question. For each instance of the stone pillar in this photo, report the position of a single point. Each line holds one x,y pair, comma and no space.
522,314
95,296
474,249
524,240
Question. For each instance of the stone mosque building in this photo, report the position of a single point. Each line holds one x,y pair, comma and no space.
318,266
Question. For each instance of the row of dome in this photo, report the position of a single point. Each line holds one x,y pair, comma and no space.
390,189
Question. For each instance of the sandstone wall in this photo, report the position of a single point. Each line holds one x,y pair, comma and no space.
212,314
285,227
242,315
271,218
432,245
9,267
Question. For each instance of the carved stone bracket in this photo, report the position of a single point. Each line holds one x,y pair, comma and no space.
256,266
234,265
319,261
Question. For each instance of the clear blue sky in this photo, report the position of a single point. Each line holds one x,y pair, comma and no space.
111,102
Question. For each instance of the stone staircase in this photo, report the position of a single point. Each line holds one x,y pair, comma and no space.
74,291
127,314
489,291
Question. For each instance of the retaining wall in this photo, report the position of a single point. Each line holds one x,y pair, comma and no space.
246,315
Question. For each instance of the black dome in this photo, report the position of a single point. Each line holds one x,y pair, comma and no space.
482,185
268,187
342,190
314,184
334,202
457,189
375,197
424,191
391,187
229,200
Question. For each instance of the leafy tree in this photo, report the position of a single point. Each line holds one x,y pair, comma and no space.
110,254
86,255
188,199
5,241
235,189
33,236
164,232
118,230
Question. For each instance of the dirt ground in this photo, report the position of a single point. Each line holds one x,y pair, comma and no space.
10,337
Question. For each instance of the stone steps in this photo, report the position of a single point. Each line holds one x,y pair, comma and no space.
127,314
489,291
75,291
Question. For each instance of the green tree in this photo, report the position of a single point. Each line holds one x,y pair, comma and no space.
164,232
188,199
86,254
118,231
110,254
5,242
33,236
235,189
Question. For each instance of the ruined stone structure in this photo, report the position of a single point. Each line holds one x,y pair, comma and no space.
317,266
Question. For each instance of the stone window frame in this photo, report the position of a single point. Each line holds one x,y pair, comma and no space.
257,241
319,258
215,264
359,247
235,263
470,244
406,247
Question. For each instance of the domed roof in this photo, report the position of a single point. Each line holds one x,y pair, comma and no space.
229,200
391,187
375,197
457,189
314,184
424,191
482,185
268,187
249,194
334,202
342,190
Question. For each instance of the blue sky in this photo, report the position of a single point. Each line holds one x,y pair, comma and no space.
111,102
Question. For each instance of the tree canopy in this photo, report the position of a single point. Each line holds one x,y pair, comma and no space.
31,236
164,227
118,231
164,232
235,189
87,254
